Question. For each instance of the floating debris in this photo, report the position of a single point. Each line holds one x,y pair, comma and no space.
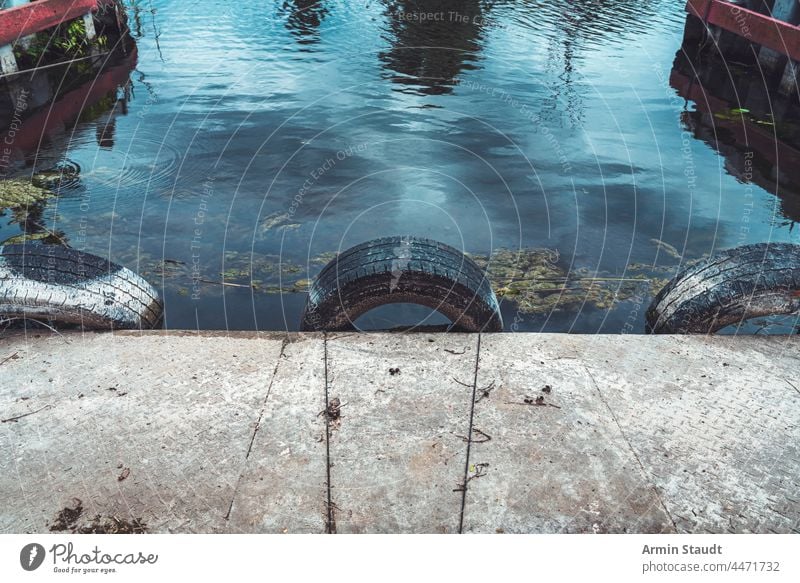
170,268
278,222
325,258
301,285
666,248
273,220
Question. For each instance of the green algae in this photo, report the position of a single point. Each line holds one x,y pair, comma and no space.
16,193
45,237
533,279
537,284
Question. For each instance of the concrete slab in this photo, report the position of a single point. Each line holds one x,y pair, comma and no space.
222,432
152,428
715,423
284,485
398,451
558,466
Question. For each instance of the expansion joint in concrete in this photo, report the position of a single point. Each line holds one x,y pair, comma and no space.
644,471
794,386
330,507
465,482
257,426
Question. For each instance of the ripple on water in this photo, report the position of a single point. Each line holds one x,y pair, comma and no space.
61,177
143,162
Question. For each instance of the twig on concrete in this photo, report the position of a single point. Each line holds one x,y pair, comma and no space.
14,419
49,327
456,353
479,471
787,380
486,437
484,392
7,358
460,383
531,402
45,324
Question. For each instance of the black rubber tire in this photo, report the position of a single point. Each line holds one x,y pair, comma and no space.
735,285
395,270
56,284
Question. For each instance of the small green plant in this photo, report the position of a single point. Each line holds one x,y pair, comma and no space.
64,42
37,47
72,40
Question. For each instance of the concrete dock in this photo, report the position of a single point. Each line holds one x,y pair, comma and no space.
444,433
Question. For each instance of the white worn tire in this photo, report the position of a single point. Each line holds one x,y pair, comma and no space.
56,284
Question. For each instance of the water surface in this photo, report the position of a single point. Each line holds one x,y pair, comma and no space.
255,139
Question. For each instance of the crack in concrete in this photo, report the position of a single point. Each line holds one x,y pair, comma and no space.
257,427
645,473
18,417
330,507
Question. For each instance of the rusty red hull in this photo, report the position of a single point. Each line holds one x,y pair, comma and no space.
21,21
758,28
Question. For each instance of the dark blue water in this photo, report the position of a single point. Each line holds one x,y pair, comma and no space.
257,138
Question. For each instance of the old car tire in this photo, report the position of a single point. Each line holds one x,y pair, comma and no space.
57,284
402,270
733,286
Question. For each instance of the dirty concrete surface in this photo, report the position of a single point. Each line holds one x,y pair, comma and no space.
273,432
